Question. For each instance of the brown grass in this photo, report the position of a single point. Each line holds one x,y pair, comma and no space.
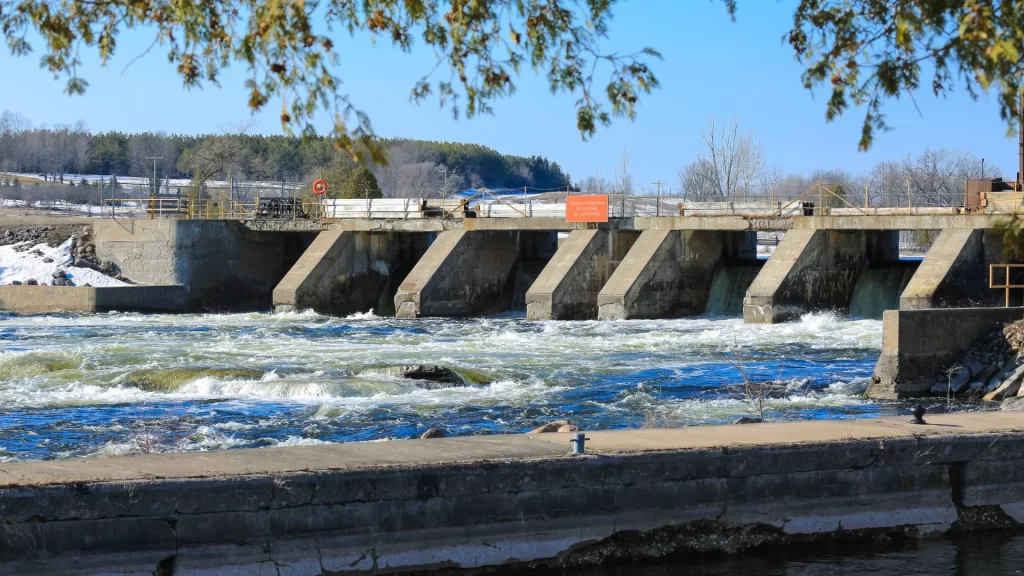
21,178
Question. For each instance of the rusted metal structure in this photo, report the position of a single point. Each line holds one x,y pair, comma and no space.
977,192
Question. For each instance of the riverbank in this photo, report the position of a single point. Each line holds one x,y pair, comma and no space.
483,501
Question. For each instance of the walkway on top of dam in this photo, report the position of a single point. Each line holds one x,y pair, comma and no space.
767,223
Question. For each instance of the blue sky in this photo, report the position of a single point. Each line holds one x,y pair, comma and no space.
711,66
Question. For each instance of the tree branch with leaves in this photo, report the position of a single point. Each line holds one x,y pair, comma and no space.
290,55
864,51
869,51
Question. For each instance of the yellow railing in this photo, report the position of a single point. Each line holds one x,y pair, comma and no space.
1007,285
218,207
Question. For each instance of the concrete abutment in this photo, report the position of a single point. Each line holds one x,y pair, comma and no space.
918,346
223,265
670,273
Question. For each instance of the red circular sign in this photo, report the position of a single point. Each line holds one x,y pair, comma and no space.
319,187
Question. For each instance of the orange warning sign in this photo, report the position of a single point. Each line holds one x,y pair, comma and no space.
586,209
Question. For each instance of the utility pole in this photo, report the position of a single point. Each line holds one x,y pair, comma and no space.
154,159
156,187
1020,135
659,183
444,191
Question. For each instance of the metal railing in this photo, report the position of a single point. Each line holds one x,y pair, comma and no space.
818,200
218,206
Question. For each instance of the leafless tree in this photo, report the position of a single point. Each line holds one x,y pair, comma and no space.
595,184
80,146
937,176
770,179
13,123
730,163
623,184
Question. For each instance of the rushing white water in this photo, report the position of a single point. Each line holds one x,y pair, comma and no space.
122,383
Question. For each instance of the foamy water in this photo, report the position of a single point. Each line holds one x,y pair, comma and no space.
126,383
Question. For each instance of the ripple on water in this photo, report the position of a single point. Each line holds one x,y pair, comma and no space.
124,383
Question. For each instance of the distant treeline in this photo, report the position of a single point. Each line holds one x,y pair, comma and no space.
415,167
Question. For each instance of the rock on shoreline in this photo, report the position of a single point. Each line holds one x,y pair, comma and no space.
992,369
82,250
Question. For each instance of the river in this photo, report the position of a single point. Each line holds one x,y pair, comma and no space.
113,384
976,554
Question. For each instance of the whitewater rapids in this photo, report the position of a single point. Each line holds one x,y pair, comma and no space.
127,383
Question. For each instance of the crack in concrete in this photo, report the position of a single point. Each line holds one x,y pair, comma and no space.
319,554
725,503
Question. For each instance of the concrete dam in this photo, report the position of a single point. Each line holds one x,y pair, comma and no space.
310,486
627,268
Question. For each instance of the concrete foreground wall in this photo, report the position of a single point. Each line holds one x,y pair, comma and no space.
918,345
344,273
224,265
408,506
669,273
82,300
568,286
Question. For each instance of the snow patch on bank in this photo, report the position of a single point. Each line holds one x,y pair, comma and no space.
15,265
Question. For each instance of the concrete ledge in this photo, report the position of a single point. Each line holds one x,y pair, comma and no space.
484,501
723,222
922,219
82,300
917,345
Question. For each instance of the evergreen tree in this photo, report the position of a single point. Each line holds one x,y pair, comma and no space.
336,176
361,183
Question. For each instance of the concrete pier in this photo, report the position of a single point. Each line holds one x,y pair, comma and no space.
568,286
465,273
815,270
669,273
954,273
511,500
344,273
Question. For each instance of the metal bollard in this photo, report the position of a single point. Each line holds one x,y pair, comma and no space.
918,413
579,443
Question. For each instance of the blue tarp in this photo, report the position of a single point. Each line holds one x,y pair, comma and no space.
503,192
